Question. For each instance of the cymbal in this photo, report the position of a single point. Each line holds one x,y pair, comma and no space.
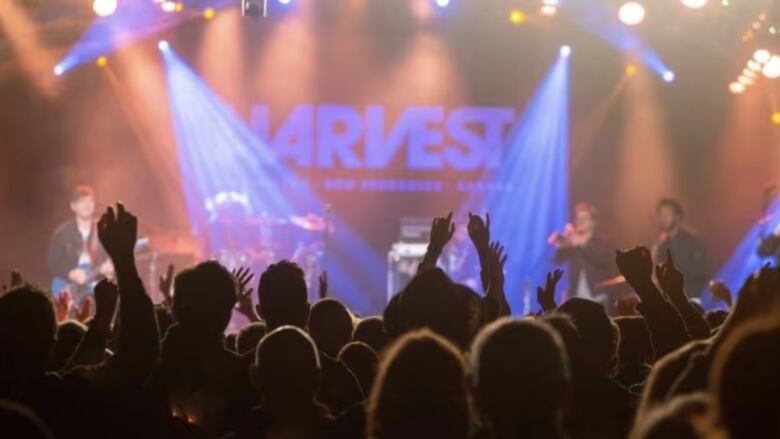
310,222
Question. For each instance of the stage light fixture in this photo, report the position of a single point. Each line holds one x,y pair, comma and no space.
694,4
762,56
285,2
101,61
749,73
179,7
439,3
163,45
548,10
168,6
772,67
630,70
737,88
631,13
776,118
209,13
744,80
565,50
516,17
104,8
668,76
58,70
754,66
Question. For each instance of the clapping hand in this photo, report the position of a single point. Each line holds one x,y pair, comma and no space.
546,296
84,311
496,260
442,230
63,303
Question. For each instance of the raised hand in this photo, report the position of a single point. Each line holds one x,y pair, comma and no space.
84,311
244,304
106,295
636,265
442,230
63,304
118,231
323,278
479,231
671,279
496,260
546,296
165,284
720,292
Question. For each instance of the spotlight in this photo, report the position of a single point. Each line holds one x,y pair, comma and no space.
737,88
668,76
179,7
776,118
748,73
517,16
439,3
772,67
104,8
285,2
58,70
762,56
694,4
630,70
631,13
209,13
101,61
565,50
754,66
168,6
548,10
163,45
744,80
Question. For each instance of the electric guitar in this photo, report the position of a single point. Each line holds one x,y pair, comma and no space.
78,291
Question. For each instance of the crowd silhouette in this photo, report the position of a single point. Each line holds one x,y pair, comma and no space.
443,361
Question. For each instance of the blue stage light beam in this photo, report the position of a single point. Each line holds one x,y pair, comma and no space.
134,20
535,176
221,158
601,19
745,260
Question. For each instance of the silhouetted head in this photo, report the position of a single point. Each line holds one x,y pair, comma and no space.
716,317
598,336
204,297
362,361
635,346
19,422
432,300
371,331
745,380
230,341
676,419
420,391
564,326
670,213
286,371
69,335
28,328
283,296
330,326
521,375
249,336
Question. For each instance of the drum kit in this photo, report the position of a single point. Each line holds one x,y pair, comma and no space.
254,242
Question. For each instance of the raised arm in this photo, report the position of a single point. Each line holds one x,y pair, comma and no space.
442,230
667,329
672,282
479,232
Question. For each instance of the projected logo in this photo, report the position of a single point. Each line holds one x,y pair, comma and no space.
422,138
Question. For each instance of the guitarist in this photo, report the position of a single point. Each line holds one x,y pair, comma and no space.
76,259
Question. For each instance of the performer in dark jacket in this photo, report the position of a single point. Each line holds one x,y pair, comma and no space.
587,251
76,258
688,250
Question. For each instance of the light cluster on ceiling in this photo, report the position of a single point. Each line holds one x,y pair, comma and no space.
763,63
